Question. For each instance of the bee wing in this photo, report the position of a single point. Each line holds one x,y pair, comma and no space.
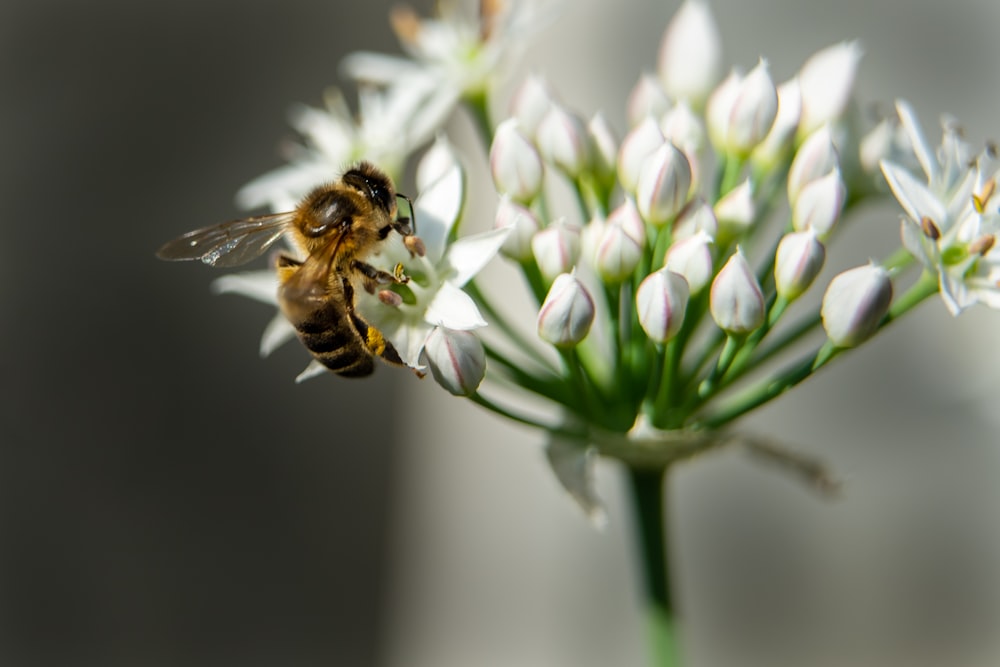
229,244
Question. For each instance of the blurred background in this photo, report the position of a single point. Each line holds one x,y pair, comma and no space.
167,498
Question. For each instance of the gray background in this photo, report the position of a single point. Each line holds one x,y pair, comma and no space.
166,498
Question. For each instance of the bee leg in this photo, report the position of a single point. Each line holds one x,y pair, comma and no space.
373,338
374,277
285,266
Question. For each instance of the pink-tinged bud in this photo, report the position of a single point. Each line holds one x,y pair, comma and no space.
457,360
637,145
664,185
855,303
567,312
604,149
797,261
752,113
692,258
646,99
439,160
590,238
681,127
735,212
530,103
621,244
661,301
819,204
523,226
556,249
717,111
827,81
514,162
777,145
563,141
736,300
696,217
690,55
816,157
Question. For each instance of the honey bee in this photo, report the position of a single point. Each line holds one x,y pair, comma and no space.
337,225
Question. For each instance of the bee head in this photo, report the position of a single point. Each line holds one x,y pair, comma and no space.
373,184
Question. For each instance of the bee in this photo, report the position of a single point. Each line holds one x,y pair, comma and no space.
337,225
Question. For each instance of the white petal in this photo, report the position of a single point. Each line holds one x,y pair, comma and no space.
454,309
258,285
913,195
923,150
312,370
376,68
277,332
467,256
573,465
437,209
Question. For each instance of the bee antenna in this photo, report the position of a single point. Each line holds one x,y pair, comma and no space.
413,211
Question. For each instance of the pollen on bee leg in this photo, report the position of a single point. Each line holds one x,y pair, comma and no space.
415,245
929,229
390,298
397,273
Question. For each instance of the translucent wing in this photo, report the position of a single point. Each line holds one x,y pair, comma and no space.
229,244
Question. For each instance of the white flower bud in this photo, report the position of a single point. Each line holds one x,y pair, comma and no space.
439,159
779,141
664,184
697,216
855,303
646,99
621,244
886,141
736,300
692,258
604,145
563,141
567,312
590,239
797,261
661,301
682,127
514,162
530,103
457,360
523,226
735,212
556,249
815,158
717,111
819,204
690,54
637,145
827,81
752,114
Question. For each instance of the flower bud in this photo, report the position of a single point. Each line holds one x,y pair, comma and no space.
563,141
753,110
797,261
886,141
681,127
827,82
457,360
523,227
439,159
855,303
814,159
664,184
819,204
646,99
621,244
690,54
604,145
720,103
778,143
692,258
637,145
514,162
735,212
590,239
530,103
567,312
556,249
736,300
661,301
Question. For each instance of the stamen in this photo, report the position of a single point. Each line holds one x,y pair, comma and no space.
982,245
390,298
405,23
415,245
929,229
981,200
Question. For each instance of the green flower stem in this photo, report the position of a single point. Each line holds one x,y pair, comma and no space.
506,413
648,493
478,105
535,280
579,375
726,357
664,415
503,325
900,259
923,288
731,173
553,388
745,353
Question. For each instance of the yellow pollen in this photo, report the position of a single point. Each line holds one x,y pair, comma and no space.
981,200
375,341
